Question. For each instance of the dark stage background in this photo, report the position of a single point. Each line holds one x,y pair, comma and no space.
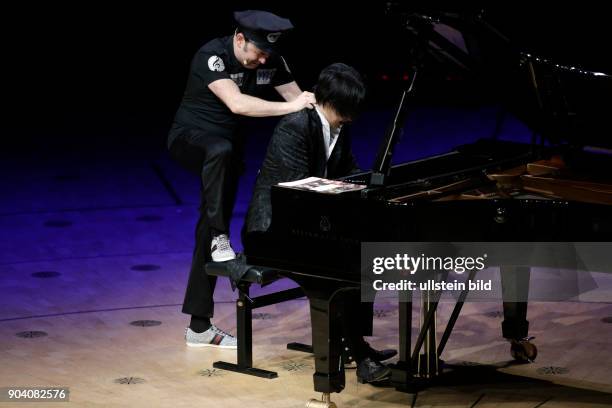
100,73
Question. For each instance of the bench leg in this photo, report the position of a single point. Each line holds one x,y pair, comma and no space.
244,328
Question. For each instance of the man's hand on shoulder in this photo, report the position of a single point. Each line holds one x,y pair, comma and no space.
304,100
242,104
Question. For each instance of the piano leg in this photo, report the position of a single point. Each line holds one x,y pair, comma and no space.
325,313
515,327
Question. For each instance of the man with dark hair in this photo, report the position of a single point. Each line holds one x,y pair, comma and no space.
316,143
310,142
227,75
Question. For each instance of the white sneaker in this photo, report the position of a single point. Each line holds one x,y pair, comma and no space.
213,337
221,249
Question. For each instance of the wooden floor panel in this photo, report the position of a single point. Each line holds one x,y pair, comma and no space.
107,360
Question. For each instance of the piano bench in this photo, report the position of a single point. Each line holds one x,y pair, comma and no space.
248,275
255,274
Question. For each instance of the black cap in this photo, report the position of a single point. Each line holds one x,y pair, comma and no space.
262,28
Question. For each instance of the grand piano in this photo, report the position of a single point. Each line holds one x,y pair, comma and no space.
556,188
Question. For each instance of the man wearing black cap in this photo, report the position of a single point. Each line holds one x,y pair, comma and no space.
227,75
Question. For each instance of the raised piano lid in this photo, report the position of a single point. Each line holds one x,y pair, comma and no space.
563,104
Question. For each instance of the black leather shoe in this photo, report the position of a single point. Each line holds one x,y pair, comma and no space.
380,355
369,370
377,355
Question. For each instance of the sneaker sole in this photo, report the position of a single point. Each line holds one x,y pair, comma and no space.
199,345
227,258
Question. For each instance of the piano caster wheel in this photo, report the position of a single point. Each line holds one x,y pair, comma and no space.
325,402
523,350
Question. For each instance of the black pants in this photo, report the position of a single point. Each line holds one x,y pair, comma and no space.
219,163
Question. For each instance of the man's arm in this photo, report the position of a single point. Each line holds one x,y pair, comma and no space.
241,104
289,91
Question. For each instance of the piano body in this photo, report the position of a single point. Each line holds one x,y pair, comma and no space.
554,189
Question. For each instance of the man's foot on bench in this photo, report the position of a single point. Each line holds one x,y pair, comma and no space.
221,249
213,337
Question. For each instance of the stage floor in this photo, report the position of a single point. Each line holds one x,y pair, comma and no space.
136,357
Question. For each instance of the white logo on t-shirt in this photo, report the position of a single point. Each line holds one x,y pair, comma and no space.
264,76
238,78
216,64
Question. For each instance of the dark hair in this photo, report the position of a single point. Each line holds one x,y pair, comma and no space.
341,87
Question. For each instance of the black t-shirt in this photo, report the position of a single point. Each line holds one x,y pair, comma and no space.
201,108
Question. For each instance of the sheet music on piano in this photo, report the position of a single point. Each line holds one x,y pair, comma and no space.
322,185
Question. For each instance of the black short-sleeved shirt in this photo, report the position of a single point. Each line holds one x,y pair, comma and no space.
201,108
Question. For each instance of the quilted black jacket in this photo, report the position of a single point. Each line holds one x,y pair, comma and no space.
296,151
